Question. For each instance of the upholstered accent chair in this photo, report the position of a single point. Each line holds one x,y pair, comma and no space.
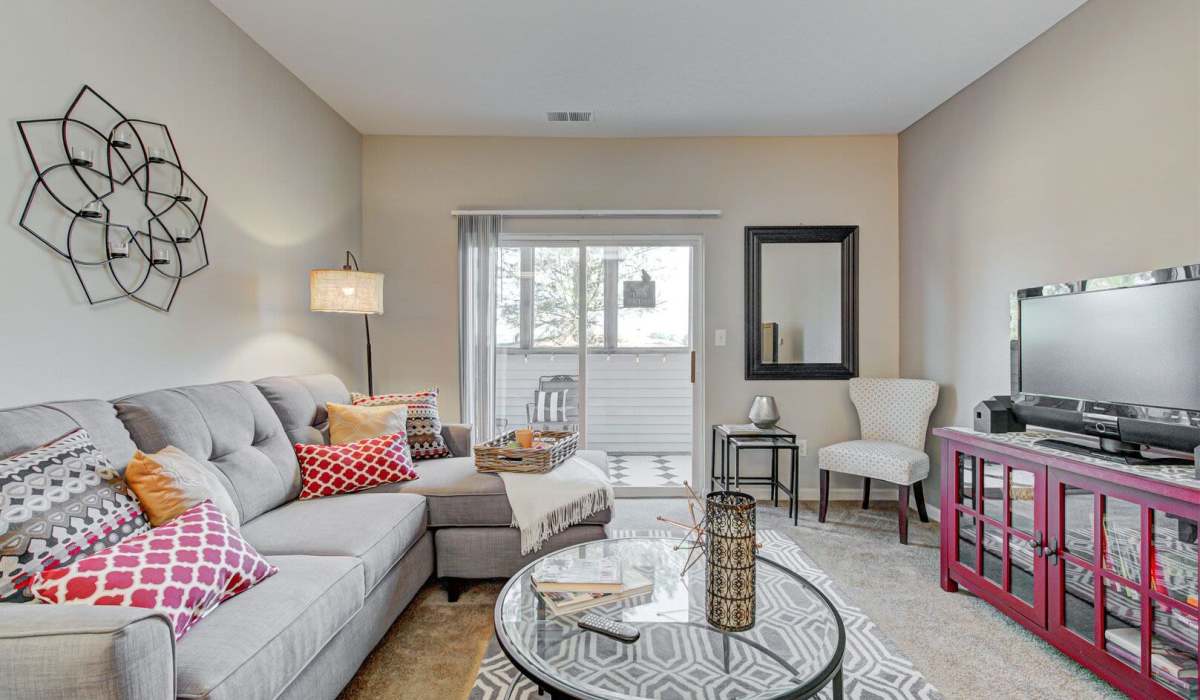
893,415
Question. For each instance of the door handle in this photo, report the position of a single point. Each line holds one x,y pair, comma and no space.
1052,552
693,367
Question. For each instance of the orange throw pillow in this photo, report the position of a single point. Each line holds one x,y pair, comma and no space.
349,424
169,482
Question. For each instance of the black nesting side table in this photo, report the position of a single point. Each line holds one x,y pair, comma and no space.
775,440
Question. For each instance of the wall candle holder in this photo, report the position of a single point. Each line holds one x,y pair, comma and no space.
80,160
730,545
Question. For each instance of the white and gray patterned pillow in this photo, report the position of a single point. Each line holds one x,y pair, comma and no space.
58,503
425,439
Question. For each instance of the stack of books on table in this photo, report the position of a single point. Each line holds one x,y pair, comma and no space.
570,584
1174,668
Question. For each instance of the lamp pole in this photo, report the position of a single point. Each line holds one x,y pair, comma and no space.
350,258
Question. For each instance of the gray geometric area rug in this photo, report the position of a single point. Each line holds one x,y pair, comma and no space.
872,666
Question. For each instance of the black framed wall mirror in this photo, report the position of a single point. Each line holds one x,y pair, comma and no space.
801,302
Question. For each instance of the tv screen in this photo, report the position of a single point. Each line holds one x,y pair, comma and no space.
1135,345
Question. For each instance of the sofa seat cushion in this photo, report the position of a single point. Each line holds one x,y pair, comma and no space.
256,643
459,496
377,528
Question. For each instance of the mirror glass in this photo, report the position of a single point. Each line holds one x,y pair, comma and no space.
801,303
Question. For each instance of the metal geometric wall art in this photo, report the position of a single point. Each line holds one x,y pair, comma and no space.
111,197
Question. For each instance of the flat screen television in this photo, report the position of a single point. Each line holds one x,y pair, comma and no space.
1116,358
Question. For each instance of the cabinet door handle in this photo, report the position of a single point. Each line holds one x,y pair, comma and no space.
1038,551
1052,552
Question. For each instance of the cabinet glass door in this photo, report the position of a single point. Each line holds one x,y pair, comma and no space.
998,531
1123,581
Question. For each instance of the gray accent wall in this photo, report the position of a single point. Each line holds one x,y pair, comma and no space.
1077,157
282,171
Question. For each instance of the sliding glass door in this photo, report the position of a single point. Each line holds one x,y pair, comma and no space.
596,334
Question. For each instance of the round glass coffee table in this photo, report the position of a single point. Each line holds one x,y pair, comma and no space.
794,649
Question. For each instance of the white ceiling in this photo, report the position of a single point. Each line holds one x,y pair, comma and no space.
647,67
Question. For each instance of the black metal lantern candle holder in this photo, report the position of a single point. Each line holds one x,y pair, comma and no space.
729,540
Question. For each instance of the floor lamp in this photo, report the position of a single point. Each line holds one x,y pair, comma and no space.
349,291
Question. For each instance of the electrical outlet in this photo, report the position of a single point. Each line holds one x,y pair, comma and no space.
803,447
719,337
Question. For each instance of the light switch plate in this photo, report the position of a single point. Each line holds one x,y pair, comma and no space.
803,447
719,337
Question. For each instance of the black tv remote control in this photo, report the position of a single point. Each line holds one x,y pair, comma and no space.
609,627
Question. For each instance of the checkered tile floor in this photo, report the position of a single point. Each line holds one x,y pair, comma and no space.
649,470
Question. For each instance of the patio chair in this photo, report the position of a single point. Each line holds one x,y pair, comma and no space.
555,404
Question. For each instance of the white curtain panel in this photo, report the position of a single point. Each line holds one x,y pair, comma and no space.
478,239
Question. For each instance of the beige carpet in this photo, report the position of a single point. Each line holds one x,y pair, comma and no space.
964,647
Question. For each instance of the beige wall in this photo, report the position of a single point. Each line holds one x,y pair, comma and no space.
1077,157
410,185
281,168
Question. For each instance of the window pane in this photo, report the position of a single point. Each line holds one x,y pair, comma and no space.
966,480
993,490
1078,509
595,294
1123,623
1020,499
966,541
508,298
1079,602
1020,568
1173,650
993,553
555,306
1175,557
1122,538
660,319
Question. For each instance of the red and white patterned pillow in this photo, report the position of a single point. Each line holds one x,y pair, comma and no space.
327,470
424,424
184,569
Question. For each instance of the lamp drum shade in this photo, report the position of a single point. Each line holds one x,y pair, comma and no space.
346,291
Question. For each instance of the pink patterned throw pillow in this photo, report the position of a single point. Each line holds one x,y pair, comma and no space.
184,569
424,424
327,470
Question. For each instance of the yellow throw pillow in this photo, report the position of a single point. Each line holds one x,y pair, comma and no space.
169,482
349,424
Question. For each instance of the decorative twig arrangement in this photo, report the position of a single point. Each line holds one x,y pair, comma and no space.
90,154
693,537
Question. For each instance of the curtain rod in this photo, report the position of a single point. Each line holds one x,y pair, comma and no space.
592,213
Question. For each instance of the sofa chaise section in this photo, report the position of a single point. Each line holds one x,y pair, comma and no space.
468,511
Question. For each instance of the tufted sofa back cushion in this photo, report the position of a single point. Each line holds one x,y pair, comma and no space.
229,426
895,410
22,429
300,404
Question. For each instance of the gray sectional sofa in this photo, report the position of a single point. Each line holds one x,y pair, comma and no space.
348,564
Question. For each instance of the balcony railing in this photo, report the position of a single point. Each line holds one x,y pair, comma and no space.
638,401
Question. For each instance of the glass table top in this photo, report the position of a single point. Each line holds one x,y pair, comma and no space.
793,650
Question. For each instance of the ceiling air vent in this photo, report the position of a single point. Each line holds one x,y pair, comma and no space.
569,116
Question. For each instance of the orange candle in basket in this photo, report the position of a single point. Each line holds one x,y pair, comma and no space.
525,438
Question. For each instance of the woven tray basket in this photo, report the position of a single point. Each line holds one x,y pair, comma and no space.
496,456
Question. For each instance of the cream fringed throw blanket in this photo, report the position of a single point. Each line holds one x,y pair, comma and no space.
544,505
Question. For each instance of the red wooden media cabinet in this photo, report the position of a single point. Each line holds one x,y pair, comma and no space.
1095,557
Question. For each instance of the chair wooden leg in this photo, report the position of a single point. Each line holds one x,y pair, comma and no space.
919,495
902,506
824,495
866,493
